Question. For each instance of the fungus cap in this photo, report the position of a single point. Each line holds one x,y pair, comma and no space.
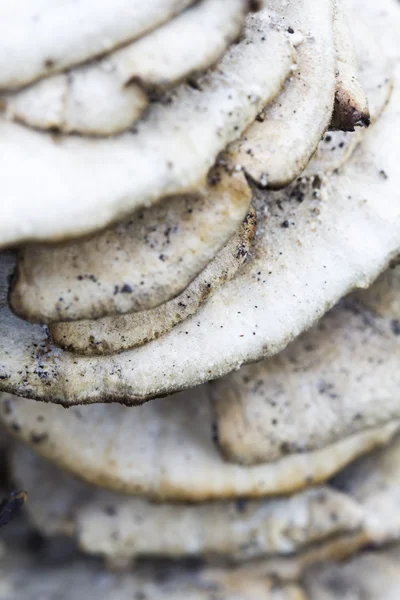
106,96
139,264
118,526
49,46
339,378
110,335
139,450
93,182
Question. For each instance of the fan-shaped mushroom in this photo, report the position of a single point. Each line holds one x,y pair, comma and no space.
337,379
35,40
91,183
108,95
118,333
139,264
166,449
123,527
283,290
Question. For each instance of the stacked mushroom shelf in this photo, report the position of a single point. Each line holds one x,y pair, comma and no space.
201,200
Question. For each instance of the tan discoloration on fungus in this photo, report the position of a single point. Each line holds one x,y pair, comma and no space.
139,264
166,449
310,251
118,333
351,104
375,74
278,145
383,297
123,527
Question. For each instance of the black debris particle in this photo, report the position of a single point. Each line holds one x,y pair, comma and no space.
37,438
317,182
126,289
11,506
255,5
110,511
7,409
298,195
395,326
215,433
241,505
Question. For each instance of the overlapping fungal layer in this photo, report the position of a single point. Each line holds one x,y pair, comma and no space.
264,509
337,379
182,291
193,221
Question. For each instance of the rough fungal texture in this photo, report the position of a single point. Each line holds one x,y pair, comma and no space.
317,472
383,297
310,251
337,379
373,575
140,450
36,42
376,78
123,527
139,264
169,152
278,145
118,333
351,104
374,483
27,577
108,95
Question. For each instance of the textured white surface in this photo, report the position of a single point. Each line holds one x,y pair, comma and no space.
35,41
166,449
328,245
275,149
108,95
370,576
139,264
374,482
351,104
339,378
24,576
375,73
115,525
66,186
307,256
121,332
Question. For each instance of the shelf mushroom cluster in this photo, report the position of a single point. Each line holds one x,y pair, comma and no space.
201,200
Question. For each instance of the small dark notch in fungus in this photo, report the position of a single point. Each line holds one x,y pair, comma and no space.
254,5
11,506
